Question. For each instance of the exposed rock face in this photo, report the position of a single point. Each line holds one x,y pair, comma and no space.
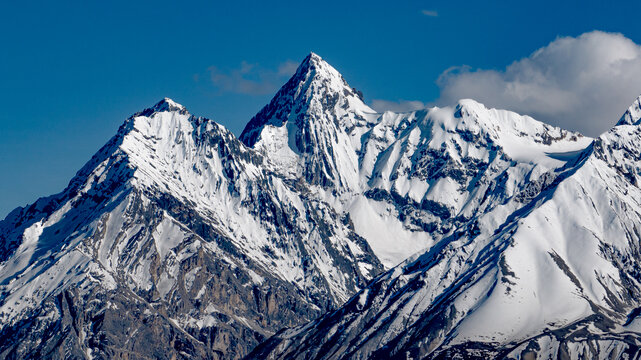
179,240
412,177
557,278
317,118
174,234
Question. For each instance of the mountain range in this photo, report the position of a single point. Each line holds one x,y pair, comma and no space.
327,230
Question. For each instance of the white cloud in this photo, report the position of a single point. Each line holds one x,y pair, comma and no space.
583,83
431,13
251,79
397,106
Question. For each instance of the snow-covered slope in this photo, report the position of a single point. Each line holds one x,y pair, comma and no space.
428,172
557,278
632,115
312,127
176,224
178,239
414,176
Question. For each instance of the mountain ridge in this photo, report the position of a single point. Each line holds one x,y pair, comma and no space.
468,296
207,244
168,192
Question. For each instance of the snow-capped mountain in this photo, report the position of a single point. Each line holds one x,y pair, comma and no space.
412,176
312,126
552,272
174,239
179,240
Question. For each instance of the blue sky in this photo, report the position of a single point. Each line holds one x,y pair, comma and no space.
73,71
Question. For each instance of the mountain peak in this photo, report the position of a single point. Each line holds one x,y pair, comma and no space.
314,62
315,87
632,116
165,105
312,119
314,68
313,57
467,105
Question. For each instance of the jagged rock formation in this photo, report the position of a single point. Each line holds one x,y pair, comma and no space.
174,240
552,273
179,240
413,177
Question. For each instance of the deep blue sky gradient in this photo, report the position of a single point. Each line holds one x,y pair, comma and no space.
72,71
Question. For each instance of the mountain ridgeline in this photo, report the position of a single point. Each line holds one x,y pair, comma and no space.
330,231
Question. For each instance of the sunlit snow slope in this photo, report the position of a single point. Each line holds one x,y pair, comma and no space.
553,272
174,239
179,240
413,176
